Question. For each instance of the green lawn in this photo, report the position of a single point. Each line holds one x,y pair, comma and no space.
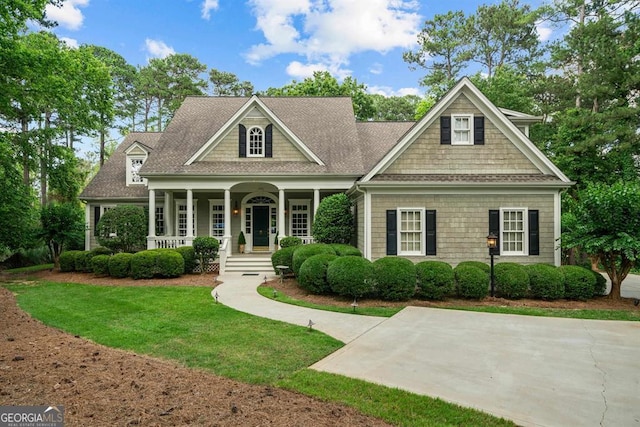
186,325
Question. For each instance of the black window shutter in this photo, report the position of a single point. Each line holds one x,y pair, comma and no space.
534,233
445,130
242,141
494,227
431,232
478,130
268,141
96,216
392,232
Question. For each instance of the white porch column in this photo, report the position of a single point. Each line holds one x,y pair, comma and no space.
227,213
189,213
152,213
316,200
168,213
88,229
281,223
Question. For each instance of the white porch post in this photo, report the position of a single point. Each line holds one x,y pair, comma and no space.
281,223
168,213
227,214
88,228
151,235
189,235
316,200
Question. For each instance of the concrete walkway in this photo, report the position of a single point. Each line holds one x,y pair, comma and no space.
536,371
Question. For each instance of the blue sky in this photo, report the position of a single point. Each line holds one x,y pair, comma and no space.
268,42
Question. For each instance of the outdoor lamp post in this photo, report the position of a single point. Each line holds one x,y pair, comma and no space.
492,243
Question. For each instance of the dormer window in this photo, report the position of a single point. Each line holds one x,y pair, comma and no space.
462,129
136,163
462,132
256,142
136,156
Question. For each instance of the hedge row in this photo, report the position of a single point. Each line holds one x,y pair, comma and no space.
325,269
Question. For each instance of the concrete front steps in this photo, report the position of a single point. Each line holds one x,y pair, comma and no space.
249,263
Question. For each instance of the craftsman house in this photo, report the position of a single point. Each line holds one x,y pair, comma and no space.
431,189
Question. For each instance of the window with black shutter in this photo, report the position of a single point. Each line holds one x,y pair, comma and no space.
392,232
534,233
478,130
445,130
268,141
431,232
242,141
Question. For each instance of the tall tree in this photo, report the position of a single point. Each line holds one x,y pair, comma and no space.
395,108
227,84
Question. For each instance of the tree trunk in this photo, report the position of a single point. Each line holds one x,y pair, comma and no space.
26,177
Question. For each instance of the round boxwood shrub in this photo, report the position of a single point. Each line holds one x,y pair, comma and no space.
189,256
351,276
100,265
313,273
395,278
579,283
601,284
101,250
120,265
345,250
83,261
471,282
206,249
435,279
478,264
305,251
545,281
289,241
68,261
143,264
169,263
512,280
283,256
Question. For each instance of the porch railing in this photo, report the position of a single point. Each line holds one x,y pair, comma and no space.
167,242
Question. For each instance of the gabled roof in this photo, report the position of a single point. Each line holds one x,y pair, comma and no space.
490,111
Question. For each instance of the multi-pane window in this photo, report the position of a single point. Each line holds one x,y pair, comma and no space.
461,129
216,208
247,223
159,220
256,142
135,165
181,219
299,225
411,231
513,232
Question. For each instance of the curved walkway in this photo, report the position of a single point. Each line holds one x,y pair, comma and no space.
536,371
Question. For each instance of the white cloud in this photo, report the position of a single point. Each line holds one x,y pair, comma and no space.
158,48
544,31
389,91
329,32
72,43
376,68
300,71
207,7
68,15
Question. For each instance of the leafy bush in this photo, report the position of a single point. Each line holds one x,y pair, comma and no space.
395,278
169,263
123,229
435,279
313,273
120,265
512,280
601,284
333,221
68,260
351,276
101,250
143,264
289,241
545,281
189,256
62,227
345,250
305,251
579,282
83,261
481,265
283,257
471,281
100,265
206,249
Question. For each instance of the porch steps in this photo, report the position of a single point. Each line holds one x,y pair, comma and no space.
253,263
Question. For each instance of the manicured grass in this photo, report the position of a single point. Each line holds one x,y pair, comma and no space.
267,292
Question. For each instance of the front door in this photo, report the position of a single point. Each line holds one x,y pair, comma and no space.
260,226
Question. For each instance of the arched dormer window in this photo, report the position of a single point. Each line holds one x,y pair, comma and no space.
136,155
256,142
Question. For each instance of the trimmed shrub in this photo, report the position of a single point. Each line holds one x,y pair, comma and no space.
83,261
123,229
395,278
283,257
471,282
435,279
143,264
101,250
345,250
169,263
351,276
206,249
333,221
100,265
289,241
120,265
68,261
189,256
512,280
305,251
478,264
601,284
579,282
545,281
313,273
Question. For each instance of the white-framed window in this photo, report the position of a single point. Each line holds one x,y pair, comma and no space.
299,217
411,231
462,129
513,231
255,138
134,163
160,220
181,217
216,218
